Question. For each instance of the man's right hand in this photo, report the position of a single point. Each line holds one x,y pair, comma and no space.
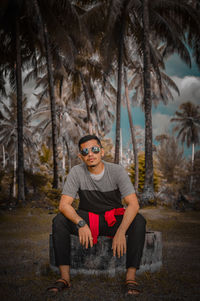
85,236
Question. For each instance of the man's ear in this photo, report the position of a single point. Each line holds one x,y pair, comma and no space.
102,152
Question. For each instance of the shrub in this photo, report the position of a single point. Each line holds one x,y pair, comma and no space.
141,163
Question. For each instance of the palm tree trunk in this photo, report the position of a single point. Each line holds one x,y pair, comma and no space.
68,156
87,102
53,108
63,161
148,192
119,89
20,150
191,177
4,157
132,129
14,175
46,44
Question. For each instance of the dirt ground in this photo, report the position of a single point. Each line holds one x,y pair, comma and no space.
25,273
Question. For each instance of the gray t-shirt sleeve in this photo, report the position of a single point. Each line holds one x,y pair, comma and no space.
71,185
123,182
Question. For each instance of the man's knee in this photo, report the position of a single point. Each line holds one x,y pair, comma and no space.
59,221
140,220
138,224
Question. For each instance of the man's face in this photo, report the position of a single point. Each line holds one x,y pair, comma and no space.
92,159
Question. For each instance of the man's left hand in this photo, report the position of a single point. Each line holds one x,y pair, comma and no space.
119,243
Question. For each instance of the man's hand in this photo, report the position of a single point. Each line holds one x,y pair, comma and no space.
85,236
119,243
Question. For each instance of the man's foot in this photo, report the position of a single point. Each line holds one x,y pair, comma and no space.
58,286
132,288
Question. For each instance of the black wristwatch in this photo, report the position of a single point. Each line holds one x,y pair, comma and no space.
81,224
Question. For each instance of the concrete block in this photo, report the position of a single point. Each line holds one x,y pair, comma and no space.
99,259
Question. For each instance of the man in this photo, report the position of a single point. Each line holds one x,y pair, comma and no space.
101,187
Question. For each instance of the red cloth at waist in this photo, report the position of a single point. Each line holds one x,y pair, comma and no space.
109,217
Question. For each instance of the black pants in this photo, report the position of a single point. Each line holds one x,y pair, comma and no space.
63,227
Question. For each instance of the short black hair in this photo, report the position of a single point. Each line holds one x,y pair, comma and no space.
88,138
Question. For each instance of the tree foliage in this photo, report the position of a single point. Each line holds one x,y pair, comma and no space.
141,160
171,162
188,123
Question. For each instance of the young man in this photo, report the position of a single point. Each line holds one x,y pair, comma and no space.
101,187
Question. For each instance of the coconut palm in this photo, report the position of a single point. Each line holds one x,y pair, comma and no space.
188,126
72,59
85,82
49,20
132,130
8,122
8,130
69,120
160,86
170,158
166,21
153,17
16,47
113,50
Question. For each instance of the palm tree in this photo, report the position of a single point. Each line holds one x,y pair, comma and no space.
56,34
188,120
113,45
170,158
132,129
16,48
166,21
148,183
160,86
46,44
9,132
84,84
69,120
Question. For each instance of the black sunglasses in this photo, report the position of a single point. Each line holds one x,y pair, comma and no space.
85,151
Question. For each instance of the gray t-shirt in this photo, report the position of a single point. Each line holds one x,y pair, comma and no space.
100,195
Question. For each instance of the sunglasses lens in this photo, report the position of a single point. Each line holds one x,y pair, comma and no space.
95,149
85,152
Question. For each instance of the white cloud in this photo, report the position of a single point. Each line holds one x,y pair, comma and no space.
189,87
160,123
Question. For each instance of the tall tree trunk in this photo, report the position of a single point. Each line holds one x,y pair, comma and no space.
191,177
148,192
68,156
4,157
53,108
87,102
132,129
20,150
63,161
46,44
14,174
119,89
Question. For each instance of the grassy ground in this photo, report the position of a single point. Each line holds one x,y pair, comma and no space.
25,274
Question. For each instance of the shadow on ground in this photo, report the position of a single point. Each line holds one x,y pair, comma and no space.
25,273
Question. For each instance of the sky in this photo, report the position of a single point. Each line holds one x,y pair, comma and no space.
188,81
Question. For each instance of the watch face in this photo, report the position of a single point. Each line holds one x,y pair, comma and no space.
81,223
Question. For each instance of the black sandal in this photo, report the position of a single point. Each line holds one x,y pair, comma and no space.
132,285
59,285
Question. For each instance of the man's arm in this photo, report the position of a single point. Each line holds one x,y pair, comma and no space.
65,207
119,240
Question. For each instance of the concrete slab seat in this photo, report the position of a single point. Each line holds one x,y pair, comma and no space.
100,260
